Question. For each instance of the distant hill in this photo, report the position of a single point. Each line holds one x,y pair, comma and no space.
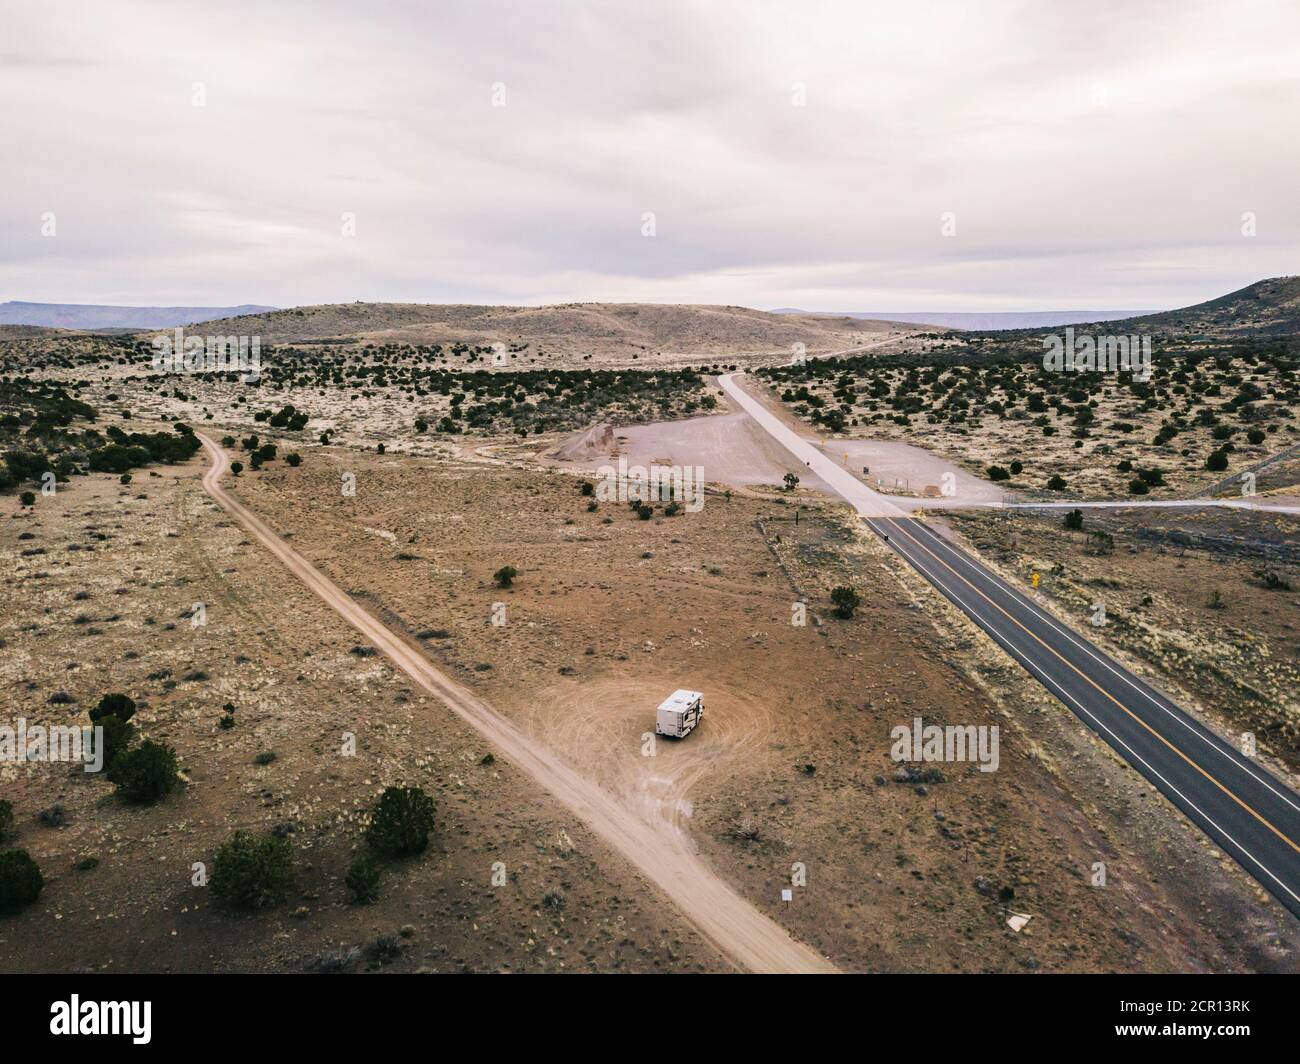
993,320
27,332
90,316
606,330
1268,307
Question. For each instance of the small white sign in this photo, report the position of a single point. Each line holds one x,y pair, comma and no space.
787,895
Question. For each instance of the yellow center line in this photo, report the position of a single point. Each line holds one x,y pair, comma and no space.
1052,650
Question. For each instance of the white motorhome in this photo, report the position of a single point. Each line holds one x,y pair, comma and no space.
679,713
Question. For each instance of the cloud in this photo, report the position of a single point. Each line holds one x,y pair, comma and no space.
792,154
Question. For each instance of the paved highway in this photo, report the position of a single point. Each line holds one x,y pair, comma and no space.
1246,810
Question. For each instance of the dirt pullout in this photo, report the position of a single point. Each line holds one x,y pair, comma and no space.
729,448
590,443
903,469
792,766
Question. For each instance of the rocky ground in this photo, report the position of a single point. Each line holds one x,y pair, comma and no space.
101,580
609,613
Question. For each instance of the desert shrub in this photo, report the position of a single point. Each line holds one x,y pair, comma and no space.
1099,542
587,488
1074,520
333,961
1255,436
1056,483
26,465
363,880
995,472
1217,461
20,880
644,512
251,872
236,467
401,822
383,950
28,499
743,829
1017,467
117,458
115,736
6,819
1272,579
114,705
145,774
505,576
294,459
845,600
1138,486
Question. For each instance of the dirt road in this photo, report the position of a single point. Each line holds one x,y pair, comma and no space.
664,856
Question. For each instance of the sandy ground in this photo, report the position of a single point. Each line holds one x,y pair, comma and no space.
730,449
903,469
610,613
733,451
98,600
664,856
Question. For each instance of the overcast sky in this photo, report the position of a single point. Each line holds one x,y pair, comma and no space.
1095,155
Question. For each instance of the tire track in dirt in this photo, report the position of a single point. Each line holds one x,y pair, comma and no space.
661,851
602,726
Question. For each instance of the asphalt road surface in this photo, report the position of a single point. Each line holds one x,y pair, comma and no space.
1246,810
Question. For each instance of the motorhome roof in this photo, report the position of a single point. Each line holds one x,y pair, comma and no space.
680,697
